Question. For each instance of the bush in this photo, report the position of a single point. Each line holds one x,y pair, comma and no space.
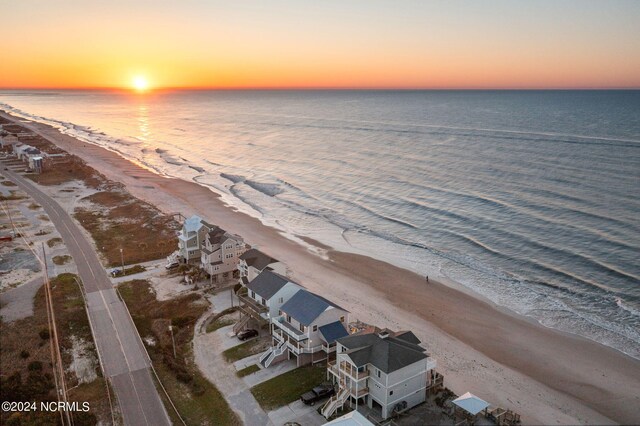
24,354
34,366
184,377
44,334
181,321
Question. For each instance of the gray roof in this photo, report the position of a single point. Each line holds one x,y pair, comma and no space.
257,259
333,331
267,284
387,354
305,306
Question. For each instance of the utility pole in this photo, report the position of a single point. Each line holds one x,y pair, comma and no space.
173,342
122,259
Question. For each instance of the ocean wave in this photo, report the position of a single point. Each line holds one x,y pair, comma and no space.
232,178
270,189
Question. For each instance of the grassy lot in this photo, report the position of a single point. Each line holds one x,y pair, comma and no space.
61,260
248,370
121,221
73,168
219,323
130,270
252,347
197,400
288,387
25,357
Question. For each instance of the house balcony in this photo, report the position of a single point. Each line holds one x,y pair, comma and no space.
293,345
359,393
253,308
281,324
344,368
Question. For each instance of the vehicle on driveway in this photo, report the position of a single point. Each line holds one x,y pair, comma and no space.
172,265
317,393
116,273
247,334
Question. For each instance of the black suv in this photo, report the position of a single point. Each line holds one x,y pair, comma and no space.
247,334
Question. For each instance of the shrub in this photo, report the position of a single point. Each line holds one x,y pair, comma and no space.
24,354
34,366
44,334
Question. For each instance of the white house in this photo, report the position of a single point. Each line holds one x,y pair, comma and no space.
191,239
271,290
253,262
306,329
387,371
220,254
265,296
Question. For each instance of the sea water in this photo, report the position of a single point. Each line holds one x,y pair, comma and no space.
529,198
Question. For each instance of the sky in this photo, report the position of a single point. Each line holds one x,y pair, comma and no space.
320,44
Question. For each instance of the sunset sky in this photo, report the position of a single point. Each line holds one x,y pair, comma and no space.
342,44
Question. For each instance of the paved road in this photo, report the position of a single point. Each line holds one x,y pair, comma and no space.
123,357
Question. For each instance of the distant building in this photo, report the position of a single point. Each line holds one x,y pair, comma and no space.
8,142
386,371
191,239
35,164
220,254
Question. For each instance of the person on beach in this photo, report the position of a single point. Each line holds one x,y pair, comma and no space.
427,277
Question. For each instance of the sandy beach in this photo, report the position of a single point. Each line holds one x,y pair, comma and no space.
547,376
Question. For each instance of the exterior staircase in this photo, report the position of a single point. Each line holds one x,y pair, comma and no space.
335,402
240,325
267,358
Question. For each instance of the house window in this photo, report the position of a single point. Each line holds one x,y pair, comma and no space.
315,328
289,318
378,373
302,328
281,300
390,393
341,319
253,294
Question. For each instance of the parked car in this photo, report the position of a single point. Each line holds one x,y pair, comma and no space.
317,393
172,265
116,273
247,334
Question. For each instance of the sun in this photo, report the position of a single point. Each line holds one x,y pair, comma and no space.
140,83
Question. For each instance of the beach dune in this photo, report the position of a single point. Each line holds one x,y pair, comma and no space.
549,377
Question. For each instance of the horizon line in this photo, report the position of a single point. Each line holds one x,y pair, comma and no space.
321,88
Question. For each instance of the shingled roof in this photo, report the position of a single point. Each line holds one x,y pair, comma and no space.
388,354
305,306
257,259
267,284
333,331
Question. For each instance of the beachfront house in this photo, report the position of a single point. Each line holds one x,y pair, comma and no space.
7,142
191,239
305,329
220,253
265,295
388,371
253,262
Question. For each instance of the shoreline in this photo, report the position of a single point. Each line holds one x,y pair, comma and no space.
546,375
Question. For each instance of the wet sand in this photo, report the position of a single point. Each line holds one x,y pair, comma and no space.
547,376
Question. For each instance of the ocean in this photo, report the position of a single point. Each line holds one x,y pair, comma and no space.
529,198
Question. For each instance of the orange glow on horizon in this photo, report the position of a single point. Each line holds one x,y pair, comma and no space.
343,45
